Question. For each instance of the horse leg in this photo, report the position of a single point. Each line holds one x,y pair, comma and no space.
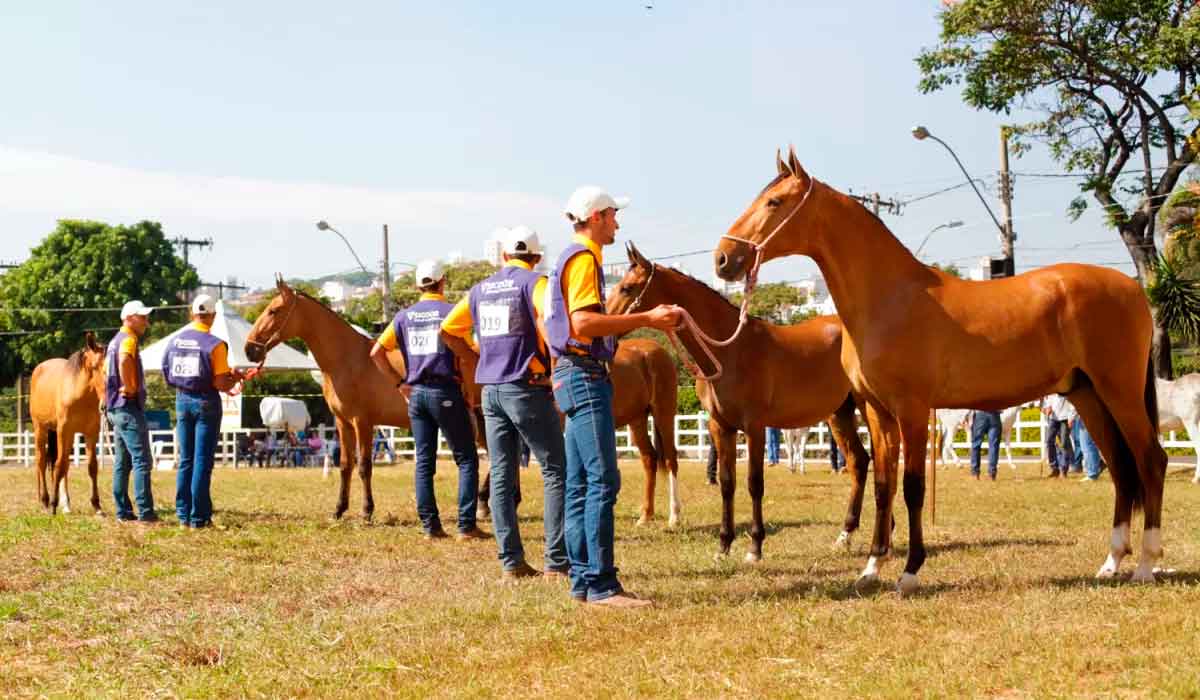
1103,429
726,445
667,456
364,470
349,456
845,435
755,440
915,431
1138,432
61,465
94,470
805,434
637,430
885,443
482,510
1193,428
42,459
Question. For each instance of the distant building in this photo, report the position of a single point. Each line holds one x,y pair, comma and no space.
493,251
980,271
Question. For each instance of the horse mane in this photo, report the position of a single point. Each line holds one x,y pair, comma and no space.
75,361
705,287
331,312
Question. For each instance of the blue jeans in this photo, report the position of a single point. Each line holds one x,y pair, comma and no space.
1059,458
197,428
584,393
774,435
381,444
512,413
131,451
1085,448
430,408
985,424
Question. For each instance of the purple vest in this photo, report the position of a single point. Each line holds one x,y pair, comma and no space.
418,330
503,312
558,320
187,363
112,384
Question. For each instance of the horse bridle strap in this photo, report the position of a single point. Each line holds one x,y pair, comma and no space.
274,339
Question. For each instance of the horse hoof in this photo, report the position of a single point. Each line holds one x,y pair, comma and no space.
1142,574
643,521
866,582
673,523
483,514
721,556
907,585
752,558
1106,572
843,541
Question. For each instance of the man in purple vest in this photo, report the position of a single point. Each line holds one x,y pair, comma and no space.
583,339
504,310
435,400
125,405
196,364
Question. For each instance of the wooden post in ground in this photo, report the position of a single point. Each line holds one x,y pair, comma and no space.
933,453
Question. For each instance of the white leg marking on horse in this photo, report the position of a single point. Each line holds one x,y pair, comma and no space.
1118,545
870,573
907,585
843,540
676,506
63,496
1151,552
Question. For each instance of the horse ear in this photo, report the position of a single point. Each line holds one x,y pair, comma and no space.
794,163
636,257
89,340
281,285
780,165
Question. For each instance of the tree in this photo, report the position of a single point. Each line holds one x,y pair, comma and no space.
1116,83
86,264
949,268
775,302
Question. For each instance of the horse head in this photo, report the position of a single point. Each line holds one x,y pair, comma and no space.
752,240
628,295
275,324
92,364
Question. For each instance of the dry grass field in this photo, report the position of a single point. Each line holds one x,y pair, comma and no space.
283,602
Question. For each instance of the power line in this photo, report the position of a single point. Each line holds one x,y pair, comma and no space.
32,309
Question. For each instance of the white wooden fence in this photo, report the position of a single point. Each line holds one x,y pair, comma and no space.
691,440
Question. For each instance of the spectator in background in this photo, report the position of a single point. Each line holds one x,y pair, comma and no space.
837,461
1087,455
985,423
382,444
259,449
315,445
334,449
774,436
1059,413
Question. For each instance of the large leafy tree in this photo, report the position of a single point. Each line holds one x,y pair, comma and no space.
775,302
85,264
1115,85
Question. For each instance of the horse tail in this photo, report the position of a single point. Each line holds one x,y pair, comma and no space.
659,453
51,446
1151,396
1126,473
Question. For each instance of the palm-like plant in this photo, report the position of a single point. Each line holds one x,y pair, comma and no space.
1176,298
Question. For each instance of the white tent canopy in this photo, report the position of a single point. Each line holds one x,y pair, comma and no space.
233,329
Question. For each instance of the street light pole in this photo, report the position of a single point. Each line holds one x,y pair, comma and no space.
324,226
920,133
949,224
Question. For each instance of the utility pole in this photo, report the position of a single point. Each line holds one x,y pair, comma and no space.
188,243
387,279
222,286
1007,235
876,202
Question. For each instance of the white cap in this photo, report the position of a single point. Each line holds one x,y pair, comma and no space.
589,199
521,240
429,272
203,304
134,308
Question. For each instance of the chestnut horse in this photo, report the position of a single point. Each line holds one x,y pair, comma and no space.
65,398
358,394
917,338
783,376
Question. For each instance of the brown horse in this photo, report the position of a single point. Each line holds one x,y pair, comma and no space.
644,384
64,399
358,394
917,338
755,384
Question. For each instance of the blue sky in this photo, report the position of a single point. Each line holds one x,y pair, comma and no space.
247,122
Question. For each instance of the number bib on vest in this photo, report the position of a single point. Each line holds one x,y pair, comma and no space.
423,341
493,319
185,366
